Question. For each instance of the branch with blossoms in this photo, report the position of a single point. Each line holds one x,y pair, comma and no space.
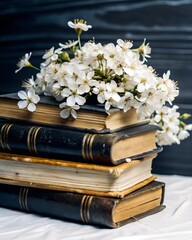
172,128
116,74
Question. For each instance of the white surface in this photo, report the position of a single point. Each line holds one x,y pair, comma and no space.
174,223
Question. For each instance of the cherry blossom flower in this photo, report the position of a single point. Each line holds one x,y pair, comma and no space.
99,90
51,55
24,62
30,83
144,50
68,44
29,99
172,129
68,110
126,102
79,25
112,91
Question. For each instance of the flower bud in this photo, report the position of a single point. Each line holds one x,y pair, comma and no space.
65,56
100,57
185,116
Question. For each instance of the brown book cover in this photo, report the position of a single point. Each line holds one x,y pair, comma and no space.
91,117
105,149
88,209
113,181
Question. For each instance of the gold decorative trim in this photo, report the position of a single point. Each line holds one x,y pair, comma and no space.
23,194
85,208
83,146
91,147
4,136
1,135
88,209
87,150
31,139
81,208
87,146
34,140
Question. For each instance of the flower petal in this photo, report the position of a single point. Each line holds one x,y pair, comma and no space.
80,100
107,106
22,104
71,101
73,113
36,98
62,105
65,113
22,95
101,98
54,57
31,93
31,107
71,24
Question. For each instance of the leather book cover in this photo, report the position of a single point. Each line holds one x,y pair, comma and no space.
14,167
70,145
95,109
81,208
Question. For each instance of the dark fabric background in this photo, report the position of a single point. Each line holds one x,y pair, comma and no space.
37,25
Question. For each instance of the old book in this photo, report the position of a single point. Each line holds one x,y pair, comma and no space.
104,149
88,209
114,181
92,118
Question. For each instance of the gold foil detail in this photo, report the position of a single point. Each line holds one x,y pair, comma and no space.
87,146
91,147
87,150
83,146
34,140
23,194
4,136
31,139
81,208
88,209
85,208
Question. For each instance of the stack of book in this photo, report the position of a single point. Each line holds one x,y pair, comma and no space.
95,169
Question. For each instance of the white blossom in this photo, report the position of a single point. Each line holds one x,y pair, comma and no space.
79,25
29,83
51,55
145,50
68,110
99,90
126,102
112,91
29,99
24,62
172,130
68,44
124,44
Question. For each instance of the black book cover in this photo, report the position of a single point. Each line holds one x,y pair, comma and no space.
81,208
68,144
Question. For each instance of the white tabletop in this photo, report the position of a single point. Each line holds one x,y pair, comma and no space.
175,222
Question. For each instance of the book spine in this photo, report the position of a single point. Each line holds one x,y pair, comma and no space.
63,205
56,143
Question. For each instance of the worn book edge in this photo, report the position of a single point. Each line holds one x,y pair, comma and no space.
119,194
115,171
95,124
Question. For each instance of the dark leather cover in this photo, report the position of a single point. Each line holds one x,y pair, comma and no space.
89,106
65,144
96,107
87,209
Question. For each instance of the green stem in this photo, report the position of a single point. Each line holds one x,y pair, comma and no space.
35,67
79,40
